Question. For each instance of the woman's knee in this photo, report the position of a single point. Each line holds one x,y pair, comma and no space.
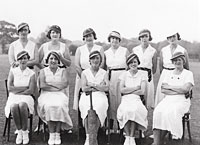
23,106
14,107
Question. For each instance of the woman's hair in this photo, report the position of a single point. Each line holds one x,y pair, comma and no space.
114,34
145,31
54,54
89,31
130,58
21,54
55,28
95,53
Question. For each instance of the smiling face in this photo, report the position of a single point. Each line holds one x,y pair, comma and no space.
53,61
178,62
54,35
95,61
89,38
23,61
23,32
144,39
133,64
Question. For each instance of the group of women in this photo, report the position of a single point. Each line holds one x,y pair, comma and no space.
126,76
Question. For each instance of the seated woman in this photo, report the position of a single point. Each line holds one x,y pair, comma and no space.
53,103
20,103
131,113
94,79
168,114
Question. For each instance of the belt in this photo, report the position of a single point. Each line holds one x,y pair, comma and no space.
148,71
113,69
168,68
31,67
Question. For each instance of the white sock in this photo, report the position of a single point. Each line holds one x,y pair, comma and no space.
87,136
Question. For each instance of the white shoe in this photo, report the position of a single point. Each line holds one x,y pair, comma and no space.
51,140
151,136
25,137
19,137
57,139
132,141
127,140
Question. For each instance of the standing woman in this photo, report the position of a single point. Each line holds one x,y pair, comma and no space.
115,60
165,62
94,79
23,44
167,116
20,103
148,62
53,105
132,114
82,59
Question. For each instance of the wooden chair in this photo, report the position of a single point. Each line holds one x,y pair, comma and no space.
107,122
8,120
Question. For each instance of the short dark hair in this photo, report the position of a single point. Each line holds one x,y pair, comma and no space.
54,54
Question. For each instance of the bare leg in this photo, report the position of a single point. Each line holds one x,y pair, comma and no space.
157,136
132,128
162,136
127,128
86,125
23,107
16,115
51,125
58,126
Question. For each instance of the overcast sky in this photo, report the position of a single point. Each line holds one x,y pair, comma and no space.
128,17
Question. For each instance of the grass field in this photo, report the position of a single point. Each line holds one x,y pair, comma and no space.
70,139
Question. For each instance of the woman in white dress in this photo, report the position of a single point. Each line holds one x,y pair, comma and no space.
148,62
23,44
53,103
82,59
165,63
94,79
168,114
115,61
132,114
20,103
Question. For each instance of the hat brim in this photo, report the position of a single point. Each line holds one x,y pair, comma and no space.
181,55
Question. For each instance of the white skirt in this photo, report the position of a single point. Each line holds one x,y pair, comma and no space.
169,112
53,106
132,108
99,102
16,99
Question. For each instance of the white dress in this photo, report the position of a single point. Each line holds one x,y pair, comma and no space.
53,106
169,112
21,79
146,62
113,61
167,63
84,62
99,99
131,107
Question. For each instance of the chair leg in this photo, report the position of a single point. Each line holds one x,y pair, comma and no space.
108,123
189,133
5,127
8,133
44,132
30,130
183,122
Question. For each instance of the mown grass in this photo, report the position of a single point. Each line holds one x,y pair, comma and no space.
70,139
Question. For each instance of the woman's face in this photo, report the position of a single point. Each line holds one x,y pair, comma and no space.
54,35
173,39
95,61
178,62
89,38
23,33
23,60
144,38
133,64
53,61
114,41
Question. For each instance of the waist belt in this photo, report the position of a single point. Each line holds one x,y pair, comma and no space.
31,67
168,68
148,71
113,69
